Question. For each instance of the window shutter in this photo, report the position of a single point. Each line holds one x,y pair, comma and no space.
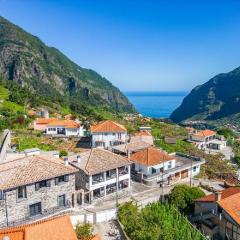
66,178
48,183
37,186
56,181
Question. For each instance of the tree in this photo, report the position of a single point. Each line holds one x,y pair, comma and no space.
84,231
182,196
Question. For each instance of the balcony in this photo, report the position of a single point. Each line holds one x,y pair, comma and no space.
98,178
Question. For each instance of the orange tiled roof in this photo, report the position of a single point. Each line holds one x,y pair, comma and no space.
225,194
64,123
45,120
143,133
231,205
50,229
205,133
96,237
108,126
150,156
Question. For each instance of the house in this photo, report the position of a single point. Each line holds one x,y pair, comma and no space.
107,134
40,124
132,146
207,139
65,127
56,228
144,136
217,214
153,166
145,128
99,172
34,187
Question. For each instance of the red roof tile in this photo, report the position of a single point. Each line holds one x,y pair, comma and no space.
50,229
150,156
108,126
205,133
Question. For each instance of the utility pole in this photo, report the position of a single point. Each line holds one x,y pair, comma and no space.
117,181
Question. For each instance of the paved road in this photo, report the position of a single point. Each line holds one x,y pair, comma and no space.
109,230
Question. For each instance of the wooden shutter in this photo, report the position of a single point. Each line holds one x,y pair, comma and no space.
66,178
37,186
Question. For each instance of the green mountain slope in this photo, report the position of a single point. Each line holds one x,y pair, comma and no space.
52,77
217,99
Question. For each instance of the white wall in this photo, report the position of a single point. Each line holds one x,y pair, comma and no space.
107,138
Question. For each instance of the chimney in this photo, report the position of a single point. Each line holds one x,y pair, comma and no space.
66,161
78,158
218,196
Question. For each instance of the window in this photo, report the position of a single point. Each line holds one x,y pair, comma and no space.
1,195
119,135
111,174
195,169
61,200
61,179
35,209
169,164
153,170
42,184
22,192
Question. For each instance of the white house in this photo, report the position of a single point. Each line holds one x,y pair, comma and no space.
101,173
154,166
66,128
207,139
107,134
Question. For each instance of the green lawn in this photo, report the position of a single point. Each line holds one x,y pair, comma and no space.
4,93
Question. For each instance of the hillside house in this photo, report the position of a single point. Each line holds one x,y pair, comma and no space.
66,128
207,139
33,187
40,124
101,173
154,166
107,134
218,214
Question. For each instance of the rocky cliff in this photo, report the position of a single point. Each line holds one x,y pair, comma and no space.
45,71
217,99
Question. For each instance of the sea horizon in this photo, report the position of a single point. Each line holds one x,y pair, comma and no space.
156,104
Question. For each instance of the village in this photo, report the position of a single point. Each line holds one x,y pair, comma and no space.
41,188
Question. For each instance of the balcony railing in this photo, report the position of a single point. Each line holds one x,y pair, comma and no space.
45,213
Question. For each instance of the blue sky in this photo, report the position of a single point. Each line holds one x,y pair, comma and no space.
138,45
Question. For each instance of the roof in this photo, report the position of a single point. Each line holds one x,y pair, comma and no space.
143,133
108,126
64,123
231,205
150,156
98,160
31,169
133,146
45,120
224,194
205,133
50,229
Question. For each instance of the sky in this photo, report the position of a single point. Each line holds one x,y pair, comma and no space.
139,45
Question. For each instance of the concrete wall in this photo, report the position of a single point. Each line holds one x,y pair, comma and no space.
107,138
48,196
5,143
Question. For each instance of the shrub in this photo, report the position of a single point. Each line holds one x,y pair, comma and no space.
63,153
84,231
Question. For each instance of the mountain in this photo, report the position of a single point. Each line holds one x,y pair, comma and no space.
217,99
52,77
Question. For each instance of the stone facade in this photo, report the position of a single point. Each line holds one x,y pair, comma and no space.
13,209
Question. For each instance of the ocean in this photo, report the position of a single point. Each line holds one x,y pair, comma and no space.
156,104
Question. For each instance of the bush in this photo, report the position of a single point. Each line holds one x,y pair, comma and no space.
183,196
63,153
156,221
84,231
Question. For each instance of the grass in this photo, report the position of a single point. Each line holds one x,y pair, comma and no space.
12,107
4,93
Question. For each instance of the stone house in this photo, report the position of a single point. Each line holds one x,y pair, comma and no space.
33,187
107,134
217,214
101,173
